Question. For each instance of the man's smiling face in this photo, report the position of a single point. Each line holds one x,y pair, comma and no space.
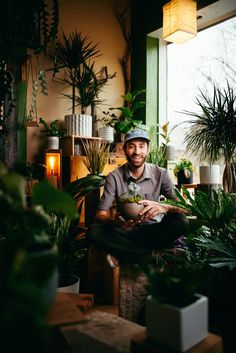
136,152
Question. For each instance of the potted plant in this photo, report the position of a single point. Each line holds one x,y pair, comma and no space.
127,204
212,238
27,260
165,132
32,172
212,132
95,155
53,132
183,170
131,105
157,156
75,54
108,121
174,307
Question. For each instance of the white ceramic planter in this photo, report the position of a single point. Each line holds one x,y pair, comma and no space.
53,142
70,283
209,174
106,133
79,125
170,152
177,328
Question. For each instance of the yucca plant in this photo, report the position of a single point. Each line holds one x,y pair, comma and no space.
213,131
96,155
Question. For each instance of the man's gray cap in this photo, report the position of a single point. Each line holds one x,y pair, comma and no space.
136,134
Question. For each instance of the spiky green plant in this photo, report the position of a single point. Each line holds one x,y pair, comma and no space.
216,212
157,155
96,155
212,133
73,54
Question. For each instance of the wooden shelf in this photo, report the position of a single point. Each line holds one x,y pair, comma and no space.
69,144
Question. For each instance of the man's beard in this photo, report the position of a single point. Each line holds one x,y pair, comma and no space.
136,164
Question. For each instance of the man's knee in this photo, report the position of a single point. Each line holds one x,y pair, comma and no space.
180,222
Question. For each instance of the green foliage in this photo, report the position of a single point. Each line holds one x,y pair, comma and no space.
53,128
29,170
131,105
84,186
74,53
175,279
38,81
133,199
212,133
157,156
184,165
96,155
216,211
166,132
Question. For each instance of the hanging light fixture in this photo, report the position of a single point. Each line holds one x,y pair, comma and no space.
179,20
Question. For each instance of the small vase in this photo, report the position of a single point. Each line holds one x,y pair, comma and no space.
53,142
106,133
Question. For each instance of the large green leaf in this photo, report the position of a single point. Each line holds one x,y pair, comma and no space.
53,199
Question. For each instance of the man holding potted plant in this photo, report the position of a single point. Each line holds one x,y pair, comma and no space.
134,241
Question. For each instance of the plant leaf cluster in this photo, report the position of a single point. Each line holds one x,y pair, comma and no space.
84,186
216,211
175,279
131,105
185,165
52,128
156,155
96,155
75,54
212,133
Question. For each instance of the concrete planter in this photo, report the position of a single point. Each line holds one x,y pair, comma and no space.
53,142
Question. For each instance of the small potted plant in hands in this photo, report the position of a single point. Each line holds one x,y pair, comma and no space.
184,172
173,306
53,132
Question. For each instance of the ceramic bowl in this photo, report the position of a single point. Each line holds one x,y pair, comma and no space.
130,210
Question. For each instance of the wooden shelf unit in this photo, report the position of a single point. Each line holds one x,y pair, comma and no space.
69,143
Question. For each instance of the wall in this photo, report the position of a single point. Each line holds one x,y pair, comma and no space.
97,20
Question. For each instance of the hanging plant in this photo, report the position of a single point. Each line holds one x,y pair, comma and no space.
38,81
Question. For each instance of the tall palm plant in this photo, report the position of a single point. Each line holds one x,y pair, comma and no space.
213,131
72,54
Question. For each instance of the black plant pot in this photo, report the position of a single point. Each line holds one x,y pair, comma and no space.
181,178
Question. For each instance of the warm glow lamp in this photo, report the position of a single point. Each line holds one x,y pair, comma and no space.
53,167
179,20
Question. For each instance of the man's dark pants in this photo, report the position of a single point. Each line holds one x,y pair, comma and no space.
137,244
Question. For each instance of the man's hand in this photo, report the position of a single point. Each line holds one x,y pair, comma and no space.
153,208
